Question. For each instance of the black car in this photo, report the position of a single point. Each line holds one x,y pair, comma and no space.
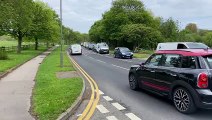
184,76
122,52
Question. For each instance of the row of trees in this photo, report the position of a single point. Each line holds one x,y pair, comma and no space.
34,20
128,23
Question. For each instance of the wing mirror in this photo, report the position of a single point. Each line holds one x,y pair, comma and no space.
142,64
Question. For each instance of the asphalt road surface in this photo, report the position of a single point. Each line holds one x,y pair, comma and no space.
111,75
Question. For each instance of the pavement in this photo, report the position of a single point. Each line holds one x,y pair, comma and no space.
16,90
111,75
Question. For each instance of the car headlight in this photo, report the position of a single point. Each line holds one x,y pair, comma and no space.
123,53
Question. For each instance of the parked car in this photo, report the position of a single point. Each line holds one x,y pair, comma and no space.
90,46
123,52
75,49
94,47
102,48
181,45
184,76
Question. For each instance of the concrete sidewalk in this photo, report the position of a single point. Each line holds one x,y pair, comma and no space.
16,90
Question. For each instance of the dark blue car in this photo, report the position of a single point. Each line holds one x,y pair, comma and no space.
123,52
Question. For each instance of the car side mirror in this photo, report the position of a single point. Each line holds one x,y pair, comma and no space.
142,64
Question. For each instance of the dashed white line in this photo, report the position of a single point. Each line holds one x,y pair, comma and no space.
120,67
107,98
132,116
101,61
100,92
102,109
118,106
111,118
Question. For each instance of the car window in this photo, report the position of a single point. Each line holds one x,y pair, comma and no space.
154,60
209,60
181,46
197,45
171,60
189,62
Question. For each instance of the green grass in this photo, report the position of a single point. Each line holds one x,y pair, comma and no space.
17,59
140,55
52,96
8,43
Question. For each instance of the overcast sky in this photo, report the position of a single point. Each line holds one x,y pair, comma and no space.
81,14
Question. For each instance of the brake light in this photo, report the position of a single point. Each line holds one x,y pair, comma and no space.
202,81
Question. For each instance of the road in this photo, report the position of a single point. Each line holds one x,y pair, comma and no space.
111,75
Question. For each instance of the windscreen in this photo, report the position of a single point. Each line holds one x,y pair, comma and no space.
197,46
124,50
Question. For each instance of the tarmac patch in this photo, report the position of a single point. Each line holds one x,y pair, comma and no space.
69,74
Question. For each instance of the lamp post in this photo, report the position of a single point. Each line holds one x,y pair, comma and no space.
61,30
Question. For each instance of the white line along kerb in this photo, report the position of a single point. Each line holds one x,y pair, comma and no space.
111,118
118,106
132,116
107,98
102,109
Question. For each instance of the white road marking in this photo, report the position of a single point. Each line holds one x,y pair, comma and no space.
102,109
108,56
111,118
107,98
79,115
91,58
120,67
118,106
100,92
132,116
101,61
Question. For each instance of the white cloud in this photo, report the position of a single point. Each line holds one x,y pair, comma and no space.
81,14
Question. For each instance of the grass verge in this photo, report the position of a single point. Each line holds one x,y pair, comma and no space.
140,55
17,59
51,95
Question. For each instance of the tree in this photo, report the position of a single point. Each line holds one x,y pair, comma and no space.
16,18
192,27
170,30
141,35
208,38
45,24
123,12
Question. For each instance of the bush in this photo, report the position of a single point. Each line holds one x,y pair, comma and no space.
3,55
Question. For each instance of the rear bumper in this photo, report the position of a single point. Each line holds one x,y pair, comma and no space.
204,99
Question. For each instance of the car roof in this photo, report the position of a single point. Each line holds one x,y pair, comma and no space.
187,52
76,45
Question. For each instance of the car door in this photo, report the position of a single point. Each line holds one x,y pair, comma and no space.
167,72
146,73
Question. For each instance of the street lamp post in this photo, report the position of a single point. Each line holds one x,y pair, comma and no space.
61,30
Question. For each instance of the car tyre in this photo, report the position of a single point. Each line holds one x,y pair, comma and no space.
133,82
183,101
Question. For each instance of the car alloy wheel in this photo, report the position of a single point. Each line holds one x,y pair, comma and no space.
183,101
133,82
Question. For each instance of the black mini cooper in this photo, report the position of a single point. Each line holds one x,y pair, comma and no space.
184,76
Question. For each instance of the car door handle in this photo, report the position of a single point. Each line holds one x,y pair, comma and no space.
152,71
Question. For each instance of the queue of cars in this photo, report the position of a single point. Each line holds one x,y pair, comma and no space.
103,48
182,74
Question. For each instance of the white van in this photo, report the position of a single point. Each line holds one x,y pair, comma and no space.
181,45
102,48
75,49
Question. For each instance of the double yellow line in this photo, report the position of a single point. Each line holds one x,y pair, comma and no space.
94,99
